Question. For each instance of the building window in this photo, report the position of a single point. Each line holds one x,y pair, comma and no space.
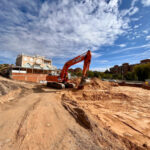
46,68
27,65
38,61
31,59
37,66
25,58
47,62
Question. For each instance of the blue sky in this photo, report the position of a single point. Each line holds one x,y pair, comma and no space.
116,31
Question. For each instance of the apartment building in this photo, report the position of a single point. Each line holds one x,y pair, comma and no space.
126,67
35,62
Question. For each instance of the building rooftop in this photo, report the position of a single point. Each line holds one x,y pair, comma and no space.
35,56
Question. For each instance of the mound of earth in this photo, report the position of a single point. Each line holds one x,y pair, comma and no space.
10,89
6,87
95,84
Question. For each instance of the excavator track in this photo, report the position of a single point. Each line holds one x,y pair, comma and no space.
56,85
69,85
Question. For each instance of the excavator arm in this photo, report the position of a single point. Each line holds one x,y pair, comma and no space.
86,57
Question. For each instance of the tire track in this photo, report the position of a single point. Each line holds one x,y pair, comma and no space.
19,135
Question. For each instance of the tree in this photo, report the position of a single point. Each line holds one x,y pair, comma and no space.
96,74
142,71
117,76
131,76
107,71
106,75
90,74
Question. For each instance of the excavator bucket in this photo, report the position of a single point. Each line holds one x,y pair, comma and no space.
83,82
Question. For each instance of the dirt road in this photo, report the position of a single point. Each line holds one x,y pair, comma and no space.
102,116
38,121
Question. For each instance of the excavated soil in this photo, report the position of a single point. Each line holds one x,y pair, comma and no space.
122,114
101,116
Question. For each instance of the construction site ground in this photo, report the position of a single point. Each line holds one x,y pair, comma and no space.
101,116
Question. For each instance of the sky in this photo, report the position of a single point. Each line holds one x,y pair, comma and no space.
116,31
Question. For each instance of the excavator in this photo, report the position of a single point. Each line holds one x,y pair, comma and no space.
61,81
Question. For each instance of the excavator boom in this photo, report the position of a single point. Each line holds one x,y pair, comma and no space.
86,57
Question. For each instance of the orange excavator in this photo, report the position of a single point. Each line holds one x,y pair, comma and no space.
62,81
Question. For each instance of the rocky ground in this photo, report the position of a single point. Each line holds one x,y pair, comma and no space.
102,116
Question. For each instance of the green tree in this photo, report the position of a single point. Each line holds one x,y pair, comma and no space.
90,74
79,74
117,76
106,75
131,76
142,71
96,74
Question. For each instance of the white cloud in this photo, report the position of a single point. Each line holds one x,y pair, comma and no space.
146,2
145,31
148,37
101,69
131,48
96,55
122,45
136,26
135,19
133,11
60,29
137,36
102,61
133,2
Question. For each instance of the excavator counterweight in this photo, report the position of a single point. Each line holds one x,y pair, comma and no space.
61,81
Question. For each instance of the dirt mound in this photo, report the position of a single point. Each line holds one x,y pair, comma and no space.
95,83
6,87
97,89
101,95
10,89
76,81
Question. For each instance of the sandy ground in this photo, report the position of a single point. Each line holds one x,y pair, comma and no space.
102,116
123,110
